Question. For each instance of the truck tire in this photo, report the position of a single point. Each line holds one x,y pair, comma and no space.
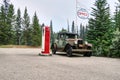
69,51
54,48
88,54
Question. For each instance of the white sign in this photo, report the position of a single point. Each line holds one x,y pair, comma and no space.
82,13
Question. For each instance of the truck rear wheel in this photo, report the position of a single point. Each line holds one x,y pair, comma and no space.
88,54
69,51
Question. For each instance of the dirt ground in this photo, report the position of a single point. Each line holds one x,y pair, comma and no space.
26,64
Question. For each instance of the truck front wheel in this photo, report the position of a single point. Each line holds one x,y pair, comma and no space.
69,51
88,54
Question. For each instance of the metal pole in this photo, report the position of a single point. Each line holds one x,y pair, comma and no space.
76,29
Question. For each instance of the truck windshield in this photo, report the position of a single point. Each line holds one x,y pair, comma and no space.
73,36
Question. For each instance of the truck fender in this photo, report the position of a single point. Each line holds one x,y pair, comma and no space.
66,47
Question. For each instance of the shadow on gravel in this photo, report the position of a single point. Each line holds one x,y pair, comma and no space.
58,54
73,56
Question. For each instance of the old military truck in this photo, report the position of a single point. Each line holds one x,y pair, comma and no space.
70,43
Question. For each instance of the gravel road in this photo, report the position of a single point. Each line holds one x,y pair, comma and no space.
25,64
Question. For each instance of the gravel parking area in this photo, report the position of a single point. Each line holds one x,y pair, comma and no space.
26,64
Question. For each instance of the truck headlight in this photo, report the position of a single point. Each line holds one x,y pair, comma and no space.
75,41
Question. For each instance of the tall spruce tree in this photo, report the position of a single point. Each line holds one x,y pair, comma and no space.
36,34
26,26
6,29
117,16
3,28
68,26
73,27
116,44
99,33
52,34
116,36
18,27
82,32
42,25
10,22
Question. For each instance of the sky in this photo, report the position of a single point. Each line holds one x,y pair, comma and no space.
59,11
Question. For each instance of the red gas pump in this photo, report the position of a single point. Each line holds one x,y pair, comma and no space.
45,41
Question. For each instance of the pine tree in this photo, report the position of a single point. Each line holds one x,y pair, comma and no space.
6,25
68,26
116,36
2,28
63,30
99,33
82,32
26,27
81,27
117,16
73,27
37,33
116,44
52,34
86,31
10,24
42,25
18,27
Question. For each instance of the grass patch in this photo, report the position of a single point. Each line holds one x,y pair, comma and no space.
18,46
